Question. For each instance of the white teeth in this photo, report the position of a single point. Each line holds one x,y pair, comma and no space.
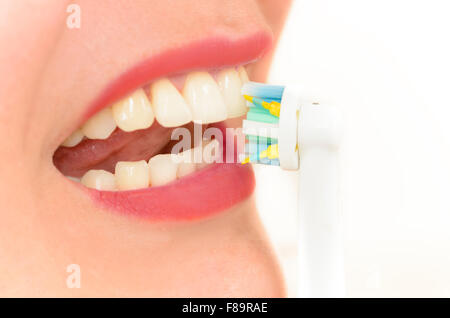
243,74
73,179
230,85
203,96
162,170
99,179
133,112
74,139
170,108
132,175
211,152
99,126
190,161
202,101
187,163
185,168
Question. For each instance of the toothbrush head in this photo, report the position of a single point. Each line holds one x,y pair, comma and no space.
261,125
272,106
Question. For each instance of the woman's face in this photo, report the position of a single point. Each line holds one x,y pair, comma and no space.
190,231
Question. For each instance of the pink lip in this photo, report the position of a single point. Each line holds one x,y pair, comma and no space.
194,197
206,192
208,53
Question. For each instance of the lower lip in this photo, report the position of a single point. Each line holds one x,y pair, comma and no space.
198,196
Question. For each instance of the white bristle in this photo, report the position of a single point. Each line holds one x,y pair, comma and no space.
254,128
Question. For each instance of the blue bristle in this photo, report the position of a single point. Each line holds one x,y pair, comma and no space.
271,162
251,148
249,104
255,145
264,91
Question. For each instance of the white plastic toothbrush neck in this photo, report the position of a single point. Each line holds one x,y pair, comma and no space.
309,137
320,250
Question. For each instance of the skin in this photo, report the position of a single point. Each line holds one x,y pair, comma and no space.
50,74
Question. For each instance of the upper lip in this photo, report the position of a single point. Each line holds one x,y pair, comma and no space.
207,53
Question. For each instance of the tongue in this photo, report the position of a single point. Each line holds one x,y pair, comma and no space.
103,154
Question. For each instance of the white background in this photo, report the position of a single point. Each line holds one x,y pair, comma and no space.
386,64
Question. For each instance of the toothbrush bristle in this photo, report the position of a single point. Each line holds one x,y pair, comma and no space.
261,90
261,124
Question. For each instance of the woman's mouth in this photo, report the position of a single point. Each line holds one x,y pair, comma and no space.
121,153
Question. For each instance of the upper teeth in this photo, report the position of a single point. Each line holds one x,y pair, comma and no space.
202,100
203,95
133,112
99,126
170,108
73,139
230,85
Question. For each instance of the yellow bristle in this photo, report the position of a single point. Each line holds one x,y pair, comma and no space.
249,98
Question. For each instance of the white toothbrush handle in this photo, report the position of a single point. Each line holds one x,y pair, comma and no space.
320,250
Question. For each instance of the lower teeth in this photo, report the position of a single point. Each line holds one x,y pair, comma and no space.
160,169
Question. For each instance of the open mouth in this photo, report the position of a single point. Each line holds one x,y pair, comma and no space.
123,153
140,126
